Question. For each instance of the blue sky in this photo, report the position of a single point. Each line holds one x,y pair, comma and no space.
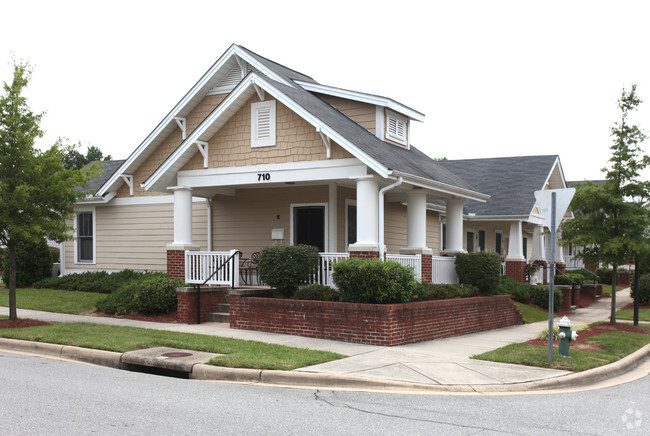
494,78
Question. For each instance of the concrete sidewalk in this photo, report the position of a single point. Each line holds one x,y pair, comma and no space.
441,363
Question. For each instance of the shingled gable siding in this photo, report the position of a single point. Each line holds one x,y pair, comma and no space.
384,325
296,141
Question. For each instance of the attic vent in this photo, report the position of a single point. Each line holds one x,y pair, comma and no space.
396,128
263,124
231,79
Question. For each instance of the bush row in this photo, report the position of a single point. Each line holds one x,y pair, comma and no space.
153,294
33,263
96,281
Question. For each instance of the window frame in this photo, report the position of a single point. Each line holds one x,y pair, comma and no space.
93,237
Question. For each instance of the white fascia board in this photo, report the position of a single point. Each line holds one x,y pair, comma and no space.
203,82
248,84
441,187
260,175
96,199
364,98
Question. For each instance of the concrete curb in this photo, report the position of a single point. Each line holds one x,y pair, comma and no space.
309,379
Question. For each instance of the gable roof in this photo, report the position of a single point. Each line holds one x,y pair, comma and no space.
287,84
511,182
108,169
383,158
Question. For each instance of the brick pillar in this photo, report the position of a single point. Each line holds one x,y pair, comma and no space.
427,268
176,264
591,267
561,267
516,269
624,279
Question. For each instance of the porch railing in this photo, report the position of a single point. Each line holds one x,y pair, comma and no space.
412,260
325,270
573,262
200,265
443,270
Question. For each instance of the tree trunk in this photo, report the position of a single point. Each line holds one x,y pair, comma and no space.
13,315
612,316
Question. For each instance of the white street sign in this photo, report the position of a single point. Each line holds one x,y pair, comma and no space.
562,200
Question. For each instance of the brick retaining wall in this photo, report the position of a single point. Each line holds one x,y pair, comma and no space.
375,324
186,303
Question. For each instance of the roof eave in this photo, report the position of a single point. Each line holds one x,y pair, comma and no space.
442,187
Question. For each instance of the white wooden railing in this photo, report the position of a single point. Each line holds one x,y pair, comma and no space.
325,270
573,262
412,260
200,265
443,270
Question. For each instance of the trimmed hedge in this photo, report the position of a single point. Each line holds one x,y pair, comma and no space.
605,275
317,292
286,268
481,269
539,296
152,295
644,289
430,291
373,281
96,281
517,291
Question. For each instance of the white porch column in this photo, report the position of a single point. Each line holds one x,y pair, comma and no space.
331,219
515,242
367,216
454,226
416,221
538,244
182,219
559,250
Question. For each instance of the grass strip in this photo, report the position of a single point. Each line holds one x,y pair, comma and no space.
237,353
52,300
644,314
531,314
616,345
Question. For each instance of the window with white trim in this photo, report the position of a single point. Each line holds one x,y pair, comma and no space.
396,128
85,244
263,124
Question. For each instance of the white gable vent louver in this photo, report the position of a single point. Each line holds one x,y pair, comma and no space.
263,124
231,79
396,128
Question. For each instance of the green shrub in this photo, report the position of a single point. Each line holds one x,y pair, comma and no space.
481,269
563,280
156,294
286,268
604,276
539,296
317,292
95,281
373,281
644,289
430,291
33,263
519,292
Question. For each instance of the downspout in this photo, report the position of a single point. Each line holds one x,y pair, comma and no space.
382,191
209,203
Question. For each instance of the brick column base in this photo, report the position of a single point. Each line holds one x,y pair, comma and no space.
176,264
561,267
427,268
516,269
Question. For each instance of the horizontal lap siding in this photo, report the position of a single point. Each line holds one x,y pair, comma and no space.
386,325
136,237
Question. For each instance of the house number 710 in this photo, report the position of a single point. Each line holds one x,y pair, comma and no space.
263,177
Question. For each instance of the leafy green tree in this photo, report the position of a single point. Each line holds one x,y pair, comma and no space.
610,221
36,190
73,159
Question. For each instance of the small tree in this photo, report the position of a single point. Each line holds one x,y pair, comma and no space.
36,191
610,221
73,159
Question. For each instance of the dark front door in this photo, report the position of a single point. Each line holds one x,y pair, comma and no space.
309,226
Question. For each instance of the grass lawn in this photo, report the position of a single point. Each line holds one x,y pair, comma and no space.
52,300
237,353
607,289
531,314
644,314
615,345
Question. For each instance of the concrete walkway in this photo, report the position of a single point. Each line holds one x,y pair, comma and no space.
442,362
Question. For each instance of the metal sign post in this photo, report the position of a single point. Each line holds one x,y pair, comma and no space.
553,204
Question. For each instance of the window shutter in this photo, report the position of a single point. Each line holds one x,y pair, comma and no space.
396,128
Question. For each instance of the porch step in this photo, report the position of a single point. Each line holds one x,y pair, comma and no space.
221,315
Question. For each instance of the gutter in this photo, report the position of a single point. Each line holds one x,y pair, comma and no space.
382,192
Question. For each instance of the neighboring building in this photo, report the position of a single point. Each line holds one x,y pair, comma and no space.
256,154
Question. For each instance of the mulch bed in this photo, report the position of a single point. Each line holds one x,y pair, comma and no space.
630,306
7,324
580,344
